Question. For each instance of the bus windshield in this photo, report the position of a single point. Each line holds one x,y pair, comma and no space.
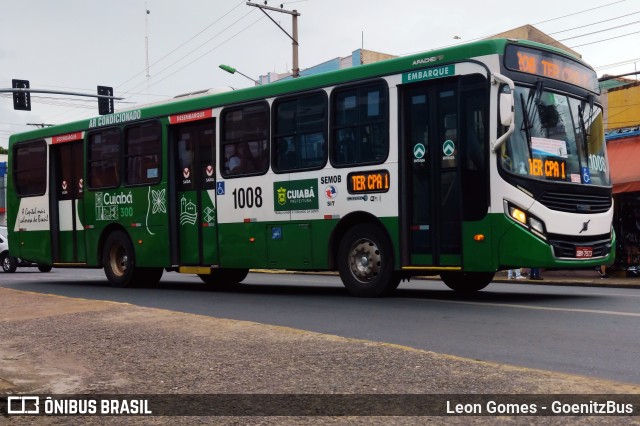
557,138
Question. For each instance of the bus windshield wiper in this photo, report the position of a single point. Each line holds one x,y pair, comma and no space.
527,106
585,131
526,124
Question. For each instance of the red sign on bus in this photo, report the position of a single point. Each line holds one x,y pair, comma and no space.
190,116
69,137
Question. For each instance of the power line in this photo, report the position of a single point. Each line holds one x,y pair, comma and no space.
580,12
606,39
594,23
600,31
616,64
211,50
191,52
181,45
537,23
156,62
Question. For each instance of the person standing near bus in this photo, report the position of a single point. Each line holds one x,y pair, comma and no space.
534,274
515,274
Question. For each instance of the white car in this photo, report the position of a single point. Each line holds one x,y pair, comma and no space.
10,263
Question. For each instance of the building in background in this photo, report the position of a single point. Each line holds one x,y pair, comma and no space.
357,58
531,33
621,99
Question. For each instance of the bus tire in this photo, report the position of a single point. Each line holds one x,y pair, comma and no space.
466,282
9,263
118,259
225,277
147,277
365,262
44,268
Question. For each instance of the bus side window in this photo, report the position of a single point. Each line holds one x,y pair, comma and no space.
360,124
299,131
243,142
30,168
142,145
104,158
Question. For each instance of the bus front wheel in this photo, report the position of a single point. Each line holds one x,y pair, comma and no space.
466,282
118,259
365,262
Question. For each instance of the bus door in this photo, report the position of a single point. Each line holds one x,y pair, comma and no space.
195,182
431,193
67,234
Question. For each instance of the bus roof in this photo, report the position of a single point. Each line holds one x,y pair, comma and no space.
304,83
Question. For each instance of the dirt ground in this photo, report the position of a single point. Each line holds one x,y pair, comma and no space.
57,345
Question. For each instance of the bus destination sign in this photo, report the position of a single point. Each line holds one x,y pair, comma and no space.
368,182
546,64
552,169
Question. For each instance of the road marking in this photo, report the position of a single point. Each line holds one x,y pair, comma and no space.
543,308
611,294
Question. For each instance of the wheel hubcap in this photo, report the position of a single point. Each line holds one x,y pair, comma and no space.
364,260
119,260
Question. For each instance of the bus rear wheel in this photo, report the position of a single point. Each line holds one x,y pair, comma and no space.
365,262
224,277
466,282
118,259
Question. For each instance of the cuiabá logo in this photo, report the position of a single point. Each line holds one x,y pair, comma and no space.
282,195
296,195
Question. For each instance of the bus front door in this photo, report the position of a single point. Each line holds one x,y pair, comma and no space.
67,200
431,193
195,219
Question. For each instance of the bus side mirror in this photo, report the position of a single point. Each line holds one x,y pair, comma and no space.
506,109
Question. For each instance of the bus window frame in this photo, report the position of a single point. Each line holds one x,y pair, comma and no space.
89,160
325,130
15,170
385,118
125,156
222,142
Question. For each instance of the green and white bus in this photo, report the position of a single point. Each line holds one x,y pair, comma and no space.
457,162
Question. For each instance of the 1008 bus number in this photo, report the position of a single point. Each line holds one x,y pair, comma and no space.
247,197
596,162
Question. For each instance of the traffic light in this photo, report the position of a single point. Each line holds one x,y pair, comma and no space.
105,105
21,100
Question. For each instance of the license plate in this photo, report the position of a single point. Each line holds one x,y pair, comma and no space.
584,252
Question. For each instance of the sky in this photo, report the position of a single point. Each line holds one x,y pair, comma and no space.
76,45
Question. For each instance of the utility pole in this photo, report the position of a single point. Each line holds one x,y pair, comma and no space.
294,14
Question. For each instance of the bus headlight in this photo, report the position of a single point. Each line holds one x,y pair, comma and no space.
526,219
536,225
518,215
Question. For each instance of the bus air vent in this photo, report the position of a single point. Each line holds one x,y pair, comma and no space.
576,203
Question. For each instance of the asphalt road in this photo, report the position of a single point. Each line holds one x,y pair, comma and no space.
587,331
